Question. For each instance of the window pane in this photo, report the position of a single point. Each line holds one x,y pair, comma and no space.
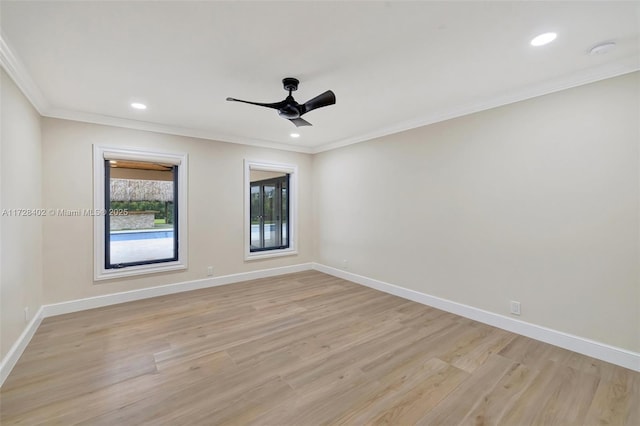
270,215
284,226
269,211
256,212
142,213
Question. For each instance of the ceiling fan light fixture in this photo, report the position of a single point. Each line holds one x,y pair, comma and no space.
542,39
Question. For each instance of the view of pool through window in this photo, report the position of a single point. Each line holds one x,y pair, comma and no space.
142,221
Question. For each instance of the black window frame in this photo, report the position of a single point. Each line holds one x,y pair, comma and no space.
107,222
277,180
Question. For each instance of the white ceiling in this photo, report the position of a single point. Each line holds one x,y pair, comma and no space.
392,65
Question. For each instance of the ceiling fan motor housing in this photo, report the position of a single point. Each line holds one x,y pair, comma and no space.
290,84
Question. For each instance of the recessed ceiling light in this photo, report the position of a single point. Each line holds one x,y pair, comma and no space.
295,135
543,39
602,48
138,105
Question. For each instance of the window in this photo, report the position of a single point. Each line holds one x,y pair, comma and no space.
140,200
140,220
270,211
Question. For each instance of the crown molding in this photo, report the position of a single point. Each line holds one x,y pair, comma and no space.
126,123
16,70
591,75
18,73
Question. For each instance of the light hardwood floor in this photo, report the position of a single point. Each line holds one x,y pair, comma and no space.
303,349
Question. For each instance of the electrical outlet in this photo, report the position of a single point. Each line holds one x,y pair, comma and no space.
515,307
209,271
26,314
345,264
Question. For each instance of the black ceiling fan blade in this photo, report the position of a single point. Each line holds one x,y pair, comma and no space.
325,99
276,105
299,122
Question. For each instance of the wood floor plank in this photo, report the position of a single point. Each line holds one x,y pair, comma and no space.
75,383
571,400
633,407
533,353
476,354
613,402
190,400
461,401
534,397
89,405
503,397
322,405
407,393
302,349
426,342
336,365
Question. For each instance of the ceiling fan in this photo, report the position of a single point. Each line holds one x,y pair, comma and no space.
292,110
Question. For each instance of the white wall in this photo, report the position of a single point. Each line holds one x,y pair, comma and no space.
536,201
216,212
20,237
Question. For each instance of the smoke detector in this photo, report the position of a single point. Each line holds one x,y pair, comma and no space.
602,48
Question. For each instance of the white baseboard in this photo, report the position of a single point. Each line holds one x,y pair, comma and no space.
611,354
614,355
163,290
45,311
12,357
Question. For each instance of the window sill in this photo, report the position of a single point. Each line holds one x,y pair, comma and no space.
130,271
269,254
